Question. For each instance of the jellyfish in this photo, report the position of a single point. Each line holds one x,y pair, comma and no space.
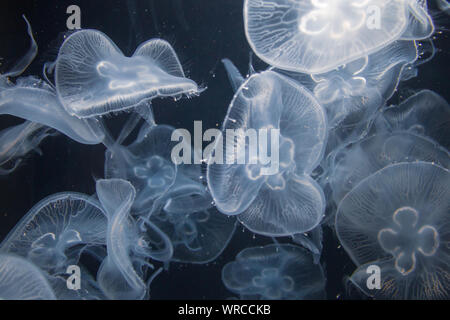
313,241
93,77
275,272
425,113
146,163
52,232
17,141
198,231
365,157
22,280
397,220
444,6
122,273
271,195
316,36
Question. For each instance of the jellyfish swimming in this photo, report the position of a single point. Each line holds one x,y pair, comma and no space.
146,163
397,220
17,141
51,233
93,77
425,113
315,36
186,213
278,202
22,280
361,159
275,272
123,272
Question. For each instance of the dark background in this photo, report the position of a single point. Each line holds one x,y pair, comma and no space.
202,33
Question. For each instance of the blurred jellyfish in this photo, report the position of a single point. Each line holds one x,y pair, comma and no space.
313,241
316,36
198,231
425,113
122,272
444,6
271,195
275,272
93,77
397,220
146,163
363,158
51,233
18,141
22,280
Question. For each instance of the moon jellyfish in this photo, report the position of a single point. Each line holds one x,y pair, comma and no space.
424,113
146,163
51,233
34,100
93,77
275,272
18,141
363,158
313,241
198,231
272,196
122,272
22,280
397,220
316,36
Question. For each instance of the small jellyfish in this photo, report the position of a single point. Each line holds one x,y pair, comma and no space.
198,231
425,113
22,280
93,77
397,220
273,137
123,272
359,160
51,233
146,163
16,142
275,272
316,36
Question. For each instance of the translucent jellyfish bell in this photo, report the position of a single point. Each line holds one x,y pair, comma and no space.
93,77
49,233
397,220
273,196
22,280
146,163
275,272
365,157
316,36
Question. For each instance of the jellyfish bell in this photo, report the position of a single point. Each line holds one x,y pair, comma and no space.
275,272
312,36
93,77
396,219
22,280
292,201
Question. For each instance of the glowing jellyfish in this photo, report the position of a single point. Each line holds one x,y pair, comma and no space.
93,77
18,141
270,189
123,272
146,163
22,280
316,36
275,272
397,220
52,232
198,231
425,113
363,158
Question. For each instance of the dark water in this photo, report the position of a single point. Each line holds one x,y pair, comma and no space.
202,32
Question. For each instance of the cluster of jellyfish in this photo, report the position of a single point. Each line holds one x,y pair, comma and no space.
376,174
